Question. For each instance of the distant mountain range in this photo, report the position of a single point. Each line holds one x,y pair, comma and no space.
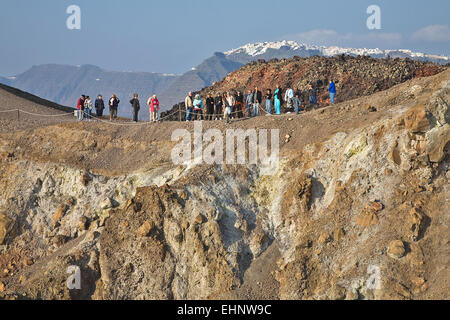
290,49
63,84
209,71
219,65
4,80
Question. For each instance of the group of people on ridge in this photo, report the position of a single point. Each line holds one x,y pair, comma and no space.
85,107
233,105
223,106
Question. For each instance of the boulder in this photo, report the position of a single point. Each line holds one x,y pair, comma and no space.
145,229
355,147
367,218
396,249
437,139
59,213
416,119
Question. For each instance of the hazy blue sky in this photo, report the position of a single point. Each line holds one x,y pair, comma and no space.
171,36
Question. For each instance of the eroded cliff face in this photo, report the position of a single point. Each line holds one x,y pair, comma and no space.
357,214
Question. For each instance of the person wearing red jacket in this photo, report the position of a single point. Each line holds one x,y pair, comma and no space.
80,107
153,104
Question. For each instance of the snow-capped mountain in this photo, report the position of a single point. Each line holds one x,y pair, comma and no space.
289,49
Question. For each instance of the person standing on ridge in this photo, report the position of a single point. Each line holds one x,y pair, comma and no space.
99,106
332,90
209,108
80,107
297,103
218,107
239,104
88,108
277,100
153,105
257,100
113,107
189,104
289,98
198,107
135,106
268,98
229,101
249,103
312,93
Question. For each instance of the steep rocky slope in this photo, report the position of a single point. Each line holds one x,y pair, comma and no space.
35,111
357,194
354,76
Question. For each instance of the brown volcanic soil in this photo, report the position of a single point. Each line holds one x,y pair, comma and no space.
12,98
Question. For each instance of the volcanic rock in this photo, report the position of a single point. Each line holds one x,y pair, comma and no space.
396,249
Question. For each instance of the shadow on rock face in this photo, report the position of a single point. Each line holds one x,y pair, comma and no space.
317,190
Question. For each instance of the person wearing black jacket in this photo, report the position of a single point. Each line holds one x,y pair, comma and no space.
99,106
113,107
209,108
135,105
312,93
218,106
257,99
239,104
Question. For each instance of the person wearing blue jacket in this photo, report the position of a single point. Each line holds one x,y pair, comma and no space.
297,103
332,90
277,100
198,107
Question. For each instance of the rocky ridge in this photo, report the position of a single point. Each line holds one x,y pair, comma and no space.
354,76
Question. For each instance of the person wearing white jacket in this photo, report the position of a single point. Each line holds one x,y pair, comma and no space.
289,98
88,108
